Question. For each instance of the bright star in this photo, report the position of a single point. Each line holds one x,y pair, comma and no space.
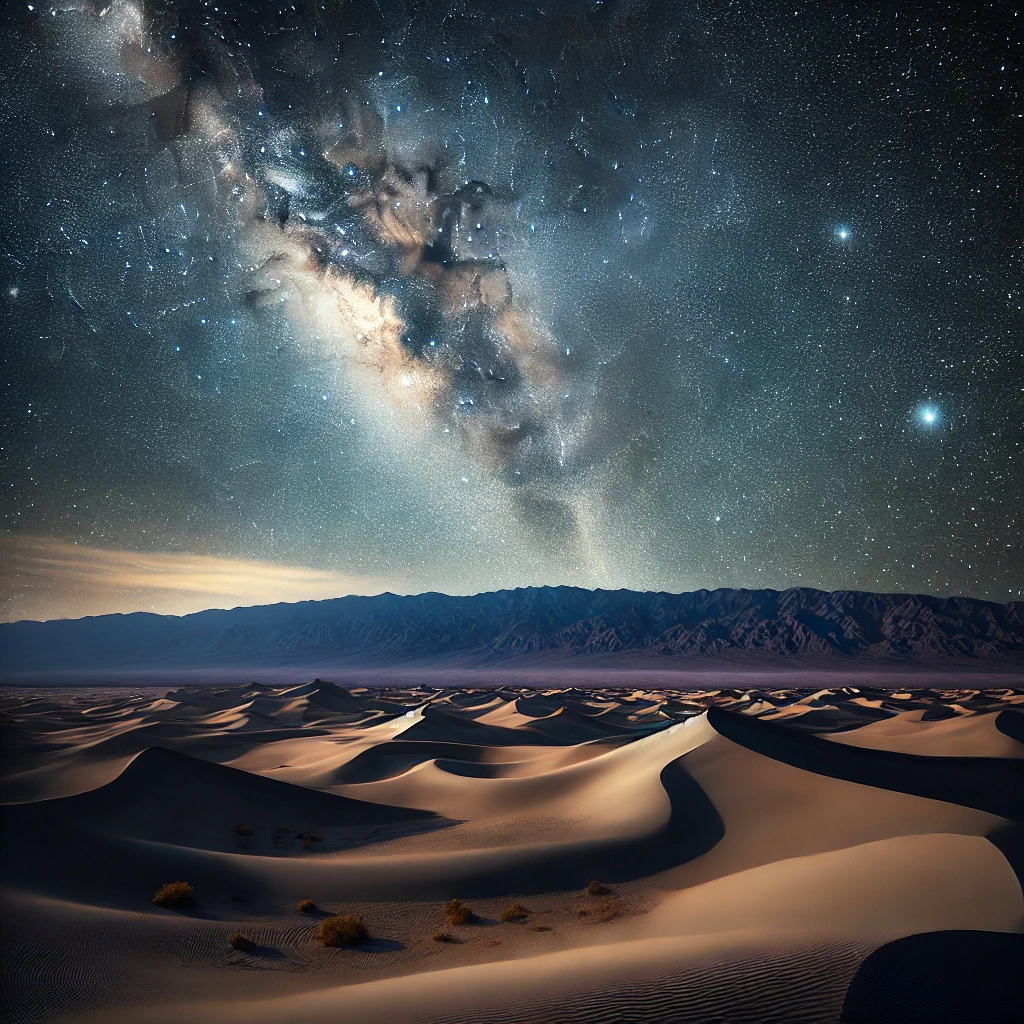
929,415
843,233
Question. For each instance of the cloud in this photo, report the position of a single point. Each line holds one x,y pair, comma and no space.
43,578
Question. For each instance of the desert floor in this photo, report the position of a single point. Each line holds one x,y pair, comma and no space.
785,855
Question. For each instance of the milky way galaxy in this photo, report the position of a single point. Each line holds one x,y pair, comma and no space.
465,296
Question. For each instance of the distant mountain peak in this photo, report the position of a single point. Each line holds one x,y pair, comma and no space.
548,623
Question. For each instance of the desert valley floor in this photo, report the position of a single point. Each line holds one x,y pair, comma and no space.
794,856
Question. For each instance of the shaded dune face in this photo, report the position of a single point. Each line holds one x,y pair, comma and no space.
988,983
761,855
989,784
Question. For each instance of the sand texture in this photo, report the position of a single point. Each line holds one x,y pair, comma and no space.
782,855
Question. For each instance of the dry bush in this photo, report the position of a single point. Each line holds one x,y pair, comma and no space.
175,894
458,913
305,906
595,888
610,908
243,830
444,937
309,838
242,943
516,912
344,930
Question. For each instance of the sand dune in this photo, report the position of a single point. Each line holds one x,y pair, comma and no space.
772,855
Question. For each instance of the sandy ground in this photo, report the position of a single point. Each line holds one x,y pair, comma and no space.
757,847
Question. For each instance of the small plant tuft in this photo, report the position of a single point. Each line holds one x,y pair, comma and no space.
444,937
174,895
242,943
305,906
243,830
595,888
458,913
343,930
610,908
516,912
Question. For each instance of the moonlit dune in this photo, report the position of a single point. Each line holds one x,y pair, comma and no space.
772,856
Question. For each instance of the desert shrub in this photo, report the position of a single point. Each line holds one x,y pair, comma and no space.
444,937
516,912
344,930
243,830
242,943
610,908
309,838
458,913
175,894
306,907
595,888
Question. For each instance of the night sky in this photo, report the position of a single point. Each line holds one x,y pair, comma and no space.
458,297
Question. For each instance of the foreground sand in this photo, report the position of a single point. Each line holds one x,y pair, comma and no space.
779,856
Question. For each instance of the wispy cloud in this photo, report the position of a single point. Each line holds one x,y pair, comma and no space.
43,578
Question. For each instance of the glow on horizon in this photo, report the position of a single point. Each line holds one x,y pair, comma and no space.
45,578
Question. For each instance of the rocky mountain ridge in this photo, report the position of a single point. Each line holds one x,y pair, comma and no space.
537,623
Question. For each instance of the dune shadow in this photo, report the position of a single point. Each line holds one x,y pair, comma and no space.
1011,723
694,827
389,760
988,784
909,980
1008,839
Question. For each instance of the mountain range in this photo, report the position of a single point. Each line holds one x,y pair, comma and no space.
538,625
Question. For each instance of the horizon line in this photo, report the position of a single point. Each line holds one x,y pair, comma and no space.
509,590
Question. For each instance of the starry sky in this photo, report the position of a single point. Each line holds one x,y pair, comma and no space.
305,299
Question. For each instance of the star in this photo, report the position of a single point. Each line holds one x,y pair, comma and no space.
451,237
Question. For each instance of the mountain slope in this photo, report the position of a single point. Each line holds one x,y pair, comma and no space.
544,622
